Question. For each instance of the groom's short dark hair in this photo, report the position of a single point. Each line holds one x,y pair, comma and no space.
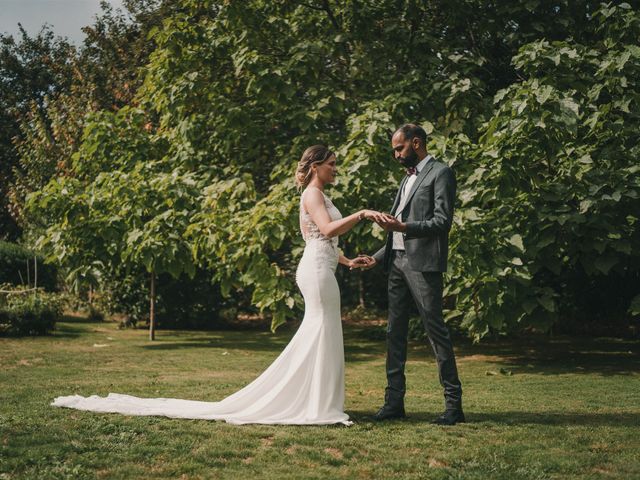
411,130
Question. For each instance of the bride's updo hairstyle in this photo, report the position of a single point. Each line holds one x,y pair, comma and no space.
314,155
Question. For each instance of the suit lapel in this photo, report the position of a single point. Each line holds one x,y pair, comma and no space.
421,176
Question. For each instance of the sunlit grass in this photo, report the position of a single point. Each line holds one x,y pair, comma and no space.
535,409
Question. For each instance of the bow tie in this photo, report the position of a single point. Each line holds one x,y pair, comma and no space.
411,171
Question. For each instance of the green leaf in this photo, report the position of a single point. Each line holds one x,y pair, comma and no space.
516,241
605,263
543,94
547,303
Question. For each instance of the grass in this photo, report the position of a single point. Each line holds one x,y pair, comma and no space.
550,408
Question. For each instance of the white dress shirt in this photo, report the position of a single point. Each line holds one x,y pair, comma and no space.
398,240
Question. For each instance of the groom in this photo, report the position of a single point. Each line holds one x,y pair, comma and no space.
415,256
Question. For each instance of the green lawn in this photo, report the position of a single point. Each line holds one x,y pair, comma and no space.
535,409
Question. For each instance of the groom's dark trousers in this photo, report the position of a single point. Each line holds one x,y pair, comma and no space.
425,288
415,276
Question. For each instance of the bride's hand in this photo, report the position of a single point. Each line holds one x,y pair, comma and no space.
373,215
364,262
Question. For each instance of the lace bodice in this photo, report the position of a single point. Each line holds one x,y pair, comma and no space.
309,229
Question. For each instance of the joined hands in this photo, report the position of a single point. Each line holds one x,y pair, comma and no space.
389,223
365,262
385,220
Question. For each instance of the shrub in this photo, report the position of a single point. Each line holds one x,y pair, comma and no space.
94,314
181,303
13,267
29,313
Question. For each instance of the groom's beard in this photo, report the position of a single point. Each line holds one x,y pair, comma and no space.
410,160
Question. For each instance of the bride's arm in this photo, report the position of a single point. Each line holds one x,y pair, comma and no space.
362,261
347,262
313,202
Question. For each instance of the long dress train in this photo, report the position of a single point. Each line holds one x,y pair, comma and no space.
303,386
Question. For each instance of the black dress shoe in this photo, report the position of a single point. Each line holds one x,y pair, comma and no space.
450,417
388,412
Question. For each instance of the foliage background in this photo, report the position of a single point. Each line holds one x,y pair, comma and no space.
183,139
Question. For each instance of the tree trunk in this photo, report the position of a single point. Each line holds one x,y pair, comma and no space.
361,289
35,275
152,307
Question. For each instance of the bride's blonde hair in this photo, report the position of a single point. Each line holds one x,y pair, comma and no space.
314,155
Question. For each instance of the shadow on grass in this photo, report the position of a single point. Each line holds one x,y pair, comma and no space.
511,418
71,326
259,342
560,355
536,354
66,331
531,355
225,339
79,319
251,345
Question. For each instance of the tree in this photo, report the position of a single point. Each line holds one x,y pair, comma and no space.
121,206
102,75
31,69
233,94
548,230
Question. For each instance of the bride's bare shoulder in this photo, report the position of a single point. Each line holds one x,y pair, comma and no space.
312,196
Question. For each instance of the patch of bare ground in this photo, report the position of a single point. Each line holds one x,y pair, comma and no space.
266,442
435,463
482,358
334,453
291,450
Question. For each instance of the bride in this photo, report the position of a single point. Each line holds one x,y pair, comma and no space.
305,384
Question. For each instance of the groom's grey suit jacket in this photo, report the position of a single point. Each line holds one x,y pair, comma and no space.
428,213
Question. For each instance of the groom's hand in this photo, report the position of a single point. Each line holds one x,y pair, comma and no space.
392,224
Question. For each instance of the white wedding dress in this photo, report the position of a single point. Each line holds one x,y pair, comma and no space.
303,386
